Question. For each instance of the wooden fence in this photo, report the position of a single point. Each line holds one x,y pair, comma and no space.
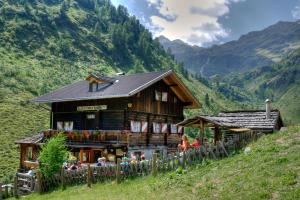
125,170
120,171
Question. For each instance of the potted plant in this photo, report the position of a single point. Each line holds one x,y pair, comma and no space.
85,134
96,134
77,135
70,135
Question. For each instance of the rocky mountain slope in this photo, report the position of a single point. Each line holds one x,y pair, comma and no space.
255,49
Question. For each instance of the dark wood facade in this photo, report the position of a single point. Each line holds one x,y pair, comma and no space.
142,107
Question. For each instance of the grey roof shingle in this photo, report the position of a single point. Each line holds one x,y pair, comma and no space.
123,86
252,119
36,139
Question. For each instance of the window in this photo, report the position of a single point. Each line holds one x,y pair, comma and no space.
86,156
67,125
29,153
180,129
161,96
94,87
135,126
164,97
144,127
156,127
175,100
173,128
60,125
157,95
90,116
164,127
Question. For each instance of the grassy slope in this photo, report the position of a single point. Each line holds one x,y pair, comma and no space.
34,61
270,171
289,104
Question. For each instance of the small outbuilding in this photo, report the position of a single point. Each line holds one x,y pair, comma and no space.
240,124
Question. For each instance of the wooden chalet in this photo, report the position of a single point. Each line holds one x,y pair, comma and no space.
114,116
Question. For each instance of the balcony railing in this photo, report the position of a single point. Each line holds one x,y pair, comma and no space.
115,137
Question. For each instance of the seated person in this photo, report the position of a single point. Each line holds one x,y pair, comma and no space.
133,159
125,161
185,144
196,143
73,167
101,162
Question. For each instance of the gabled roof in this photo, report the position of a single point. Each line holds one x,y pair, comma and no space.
251,119
121,86
99,78
220,121
255,119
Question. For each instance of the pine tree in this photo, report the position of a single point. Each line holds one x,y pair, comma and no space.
206,100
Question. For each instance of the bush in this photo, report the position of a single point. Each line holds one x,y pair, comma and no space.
52,156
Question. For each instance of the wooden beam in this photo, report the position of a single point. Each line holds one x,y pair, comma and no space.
173,85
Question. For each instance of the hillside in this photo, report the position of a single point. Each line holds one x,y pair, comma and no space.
255,49
269,171
47,44
279,82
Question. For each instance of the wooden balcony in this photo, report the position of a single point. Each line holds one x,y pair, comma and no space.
115,137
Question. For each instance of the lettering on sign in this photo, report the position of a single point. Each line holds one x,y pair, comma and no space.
88,108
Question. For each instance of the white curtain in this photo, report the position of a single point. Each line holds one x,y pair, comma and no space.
173,128
156,127
135,126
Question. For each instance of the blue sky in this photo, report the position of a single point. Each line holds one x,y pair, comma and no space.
207,22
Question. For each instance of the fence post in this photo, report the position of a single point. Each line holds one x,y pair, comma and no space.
15,187
6,191
1,191
118,171
154,164
39,181
89,176
62,178
183,159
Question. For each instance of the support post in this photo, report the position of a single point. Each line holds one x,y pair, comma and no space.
202,130
154,164
89,176
62,178
118,171
15,187
183,159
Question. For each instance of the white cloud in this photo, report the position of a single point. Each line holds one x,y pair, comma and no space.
296,12
193,21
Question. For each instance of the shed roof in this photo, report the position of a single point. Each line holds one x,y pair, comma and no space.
35,139
122,86
251,119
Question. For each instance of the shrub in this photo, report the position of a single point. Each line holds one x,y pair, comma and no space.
52,155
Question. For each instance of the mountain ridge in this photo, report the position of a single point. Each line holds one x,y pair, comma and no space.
255,49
